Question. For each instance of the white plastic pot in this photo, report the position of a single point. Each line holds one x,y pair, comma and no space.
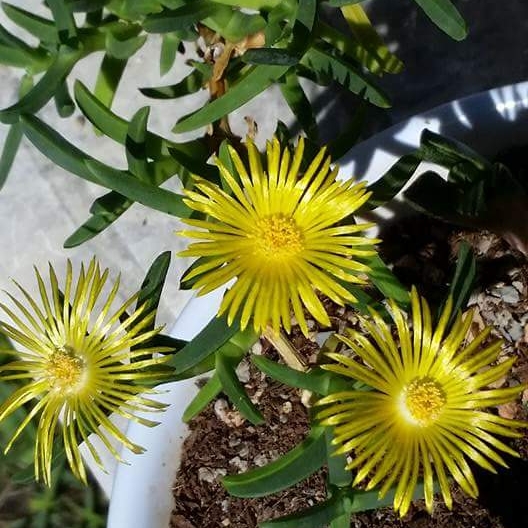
489,121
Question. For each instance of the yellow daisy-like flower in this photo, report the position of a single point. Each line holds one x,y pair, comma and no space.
278,233
77,364
425,414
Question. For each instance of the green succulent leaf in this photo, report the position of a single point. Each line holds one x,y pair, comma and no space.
123,48
192,83
117,128
105,210
289,469
253,82
205,396
86,6
9,150
108,79
170,44
56,148
211,338
391,183
322,514
64,21
299,104
316,380
180,18
228,356
46,87
446,16
63,101
337,68
339,3
463,279
41,28
386,282
369,39
147,194
136,149
151,288
448,152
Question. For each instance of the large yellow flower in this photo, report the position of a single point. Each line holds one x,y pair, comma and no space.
278,233
77,364
425,414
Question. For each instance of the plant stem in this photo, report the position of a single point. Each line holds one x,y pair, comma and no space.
286,350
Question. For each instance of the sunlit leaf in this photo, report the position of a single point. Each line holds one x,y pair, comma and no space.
368,37
136,149
253,82
180,18
386,282
42,28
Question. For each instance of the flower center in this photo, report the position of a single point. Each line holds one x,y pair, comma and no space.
422,401
278,236
65,369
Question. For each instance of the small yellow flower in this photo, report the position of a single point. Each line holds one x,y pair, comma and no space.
424,414
77,364
280,234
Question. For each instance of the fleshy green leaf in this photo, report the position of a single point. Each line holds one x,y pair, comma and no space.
227,359
368,37
386,282
448,152
63,101
108,79
206,395
136,150
86,6
150,291
316,380
149,195
180,18
446,16
123,48
117,128
11,144
42,28
170,44
46,87
391,183
105,210
211,338
463,279
321,514
64,21
299,104
190,84
339,3
289,469
345,74
56,148
253,82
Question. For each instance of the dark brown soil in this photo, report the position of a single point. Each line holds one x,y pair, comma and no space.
423,253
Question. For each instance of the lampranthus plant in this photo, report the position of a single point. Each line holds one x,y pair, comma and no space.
425,414
280,234
77,364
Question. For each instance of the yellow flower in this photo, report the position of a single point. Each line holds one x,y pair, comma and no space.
425,413
77,365
280,234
